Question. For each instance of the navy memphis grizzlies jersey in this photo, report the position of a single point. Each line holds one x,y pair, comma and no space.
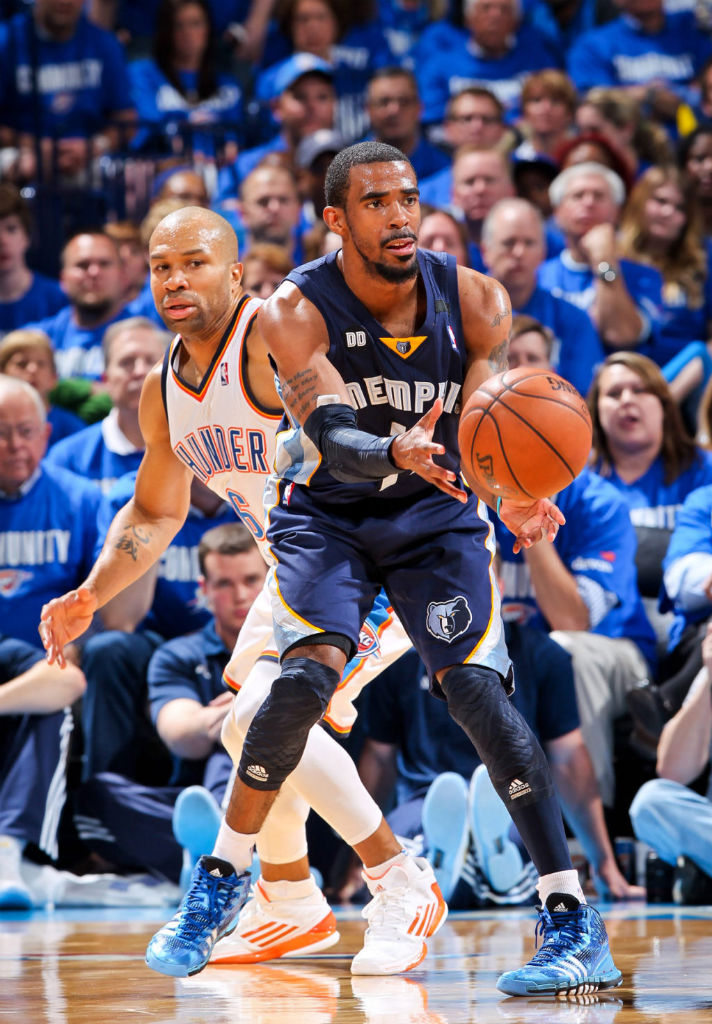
392,382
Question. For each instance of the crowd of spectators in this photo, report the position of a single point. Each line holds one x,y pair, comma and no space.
562,148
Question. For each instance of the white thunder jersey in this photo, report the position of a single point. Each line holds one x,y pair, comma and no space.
228,441
218,429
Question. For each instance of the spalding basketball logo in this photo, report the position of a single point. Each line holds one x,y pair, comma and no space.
447,620
11,580
368,641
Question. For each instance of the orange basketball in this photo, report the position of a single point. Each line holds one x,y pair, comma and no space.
524,433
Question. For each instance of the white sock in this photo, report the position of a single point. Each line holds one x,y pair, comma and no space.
234,847
560,881
284,890
378,870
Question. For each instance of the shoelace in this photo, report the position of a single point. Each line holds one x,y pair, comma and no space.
559,936
195,916
387,911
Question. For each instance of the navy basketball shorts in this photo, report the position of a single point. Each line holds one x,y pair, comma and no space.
432,555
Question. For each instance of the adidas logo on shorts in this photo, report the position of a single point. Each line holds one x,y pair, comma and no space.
256,771
518,788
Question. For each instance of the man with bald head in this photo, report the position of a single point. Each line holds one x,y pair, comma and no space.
212,412
270,208
513,248
480,177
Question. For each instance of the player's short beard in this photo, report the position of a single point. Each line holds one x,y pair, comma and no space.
392,273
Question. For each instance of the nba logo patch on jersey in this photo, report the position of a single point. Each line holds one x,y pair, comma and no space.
368,642
446,620
451,335
224,380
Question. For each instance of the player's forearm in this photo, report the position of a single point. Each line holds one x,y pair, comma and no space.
133,544
131,605
42,690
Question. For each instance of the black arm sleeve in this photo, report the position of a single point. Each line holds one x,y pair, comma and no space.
351,455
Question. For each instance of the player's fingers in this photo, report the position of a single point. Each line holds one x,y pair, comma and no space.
432,416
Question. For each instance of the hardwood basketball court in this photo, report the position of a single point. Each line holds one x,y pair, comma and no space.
86,967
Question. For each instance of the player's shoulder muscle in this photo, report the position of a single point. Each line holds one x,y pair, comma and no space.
152,412
290,321
486,312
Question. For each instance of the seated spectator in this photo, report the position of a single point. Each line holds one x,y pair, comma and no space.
699,110
394,112
594,147
403,23
513,251
188,700
47,514
312,158
269,208
410,741
494,49
184,184
621,297
106,450
641,446
694,156
649,51
264,268
35,727
64,91
474,116
331,32
616,114
660,227
673,819
92,277
303,103
583,589
24,294
562,23
479,179
183,102
548,103
133,255
27,355
167,602
441,231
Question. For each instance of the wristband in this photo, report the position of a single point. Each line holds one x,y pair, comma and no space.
498,506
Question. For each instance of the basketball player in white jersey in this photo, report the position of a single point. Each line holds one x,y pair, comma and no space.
212,410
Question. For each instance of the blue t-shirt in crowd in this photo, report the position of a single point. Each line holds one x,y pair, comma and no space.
63,423
436,190
77,350
178,607
233,174
426,158
400,710
598,542
679,323
577,349
621,54
47,542
88,454
43,298
576,283
161,105
692,535
447,61
187,668
78,84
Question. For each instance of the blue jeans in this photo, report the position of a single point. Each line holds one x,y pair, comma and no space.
674,820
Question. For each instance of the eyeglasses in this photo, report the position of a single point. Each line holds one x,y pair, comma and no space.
469,118
396,101
23,432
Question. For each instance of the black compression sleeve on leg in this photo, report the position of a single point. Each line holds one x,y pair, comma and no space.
351,455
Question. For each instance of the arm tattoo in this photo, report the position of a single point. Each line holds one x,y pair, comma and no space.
131,540
299,392
499,317
497,358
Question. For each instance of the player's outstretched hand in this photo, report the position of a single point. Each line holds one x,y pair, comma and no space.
531,523
63,619
415,448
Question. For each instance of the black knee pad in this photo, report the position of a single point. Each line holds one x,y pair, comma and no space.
278,733
508,748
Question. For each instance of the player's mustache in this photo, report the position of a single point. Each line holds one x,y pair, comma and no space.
399,234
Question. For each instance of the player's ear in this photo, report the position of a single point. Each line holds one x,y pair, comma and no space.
236,272
335,220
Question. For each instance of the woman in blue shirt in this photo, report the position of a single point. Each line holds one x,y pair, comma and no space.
182,101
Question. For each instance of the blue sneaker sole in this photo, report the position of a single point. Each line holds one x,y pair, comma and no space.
196,821
520,987
490,822
445,827
174,970
15,899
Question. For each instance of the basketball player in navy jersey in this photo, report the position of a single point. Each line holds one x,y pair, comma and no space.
377,347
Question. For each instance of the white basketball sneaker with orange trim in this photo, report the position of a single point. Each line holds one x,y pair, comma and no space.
271,928
407,908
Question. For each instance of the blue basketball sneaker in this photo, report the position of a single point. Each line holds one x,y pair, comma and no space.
574,956
208,911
